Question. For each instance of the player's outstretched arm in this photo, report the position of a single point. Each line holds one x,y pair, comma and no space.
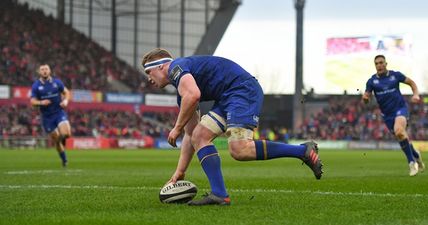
412,84
187,151
186,155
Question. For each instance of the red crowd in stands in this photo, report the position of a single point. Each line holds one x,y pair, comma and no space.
347,118
22,120
29,38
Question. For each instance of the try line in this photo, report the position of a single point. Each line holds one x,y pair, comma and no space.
285,191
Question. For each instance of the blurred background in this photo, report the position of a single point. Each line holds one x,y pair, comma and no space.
312,58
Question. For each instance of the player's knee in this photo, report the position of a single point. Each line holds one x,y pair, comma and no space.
199,139
194,139
65,133
54,135
64,129
238,139
237,155
237,150
400,133
54,138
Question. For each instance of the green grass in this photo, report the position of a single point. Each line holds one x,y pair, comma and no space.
121,187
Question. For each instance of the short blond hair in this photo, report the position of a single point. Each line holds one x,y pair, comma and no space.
154,54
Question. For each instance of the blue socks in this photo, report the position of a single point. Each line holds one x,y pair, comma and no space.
210,162
414,152
271,150
63,156
407,149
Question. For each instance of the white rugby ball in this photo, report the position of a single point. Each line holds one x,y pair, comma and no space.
181,192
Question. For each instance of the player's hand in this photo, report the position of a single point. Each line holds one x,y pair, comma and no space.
173,135
365,99
178,175
64,103
415,99
45,102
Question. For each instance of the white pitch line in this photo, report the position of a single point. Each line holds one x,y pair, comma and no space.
284,191
45,186
26,172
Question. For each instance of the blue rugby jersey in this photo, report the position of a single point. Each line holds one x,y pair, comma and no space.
387,91
51,90
214,75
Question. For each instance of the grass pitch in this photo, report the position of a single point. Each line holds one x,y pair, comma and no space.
122,186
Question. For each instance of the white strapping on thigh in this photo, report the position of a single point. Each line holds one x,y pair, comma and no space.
239,133
214,122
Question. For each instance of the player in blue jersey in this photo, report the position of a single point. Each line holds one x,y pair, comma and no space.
52,97
238,101
385,85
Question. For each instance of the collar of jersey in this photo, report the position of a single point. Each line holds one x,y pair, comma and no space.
49,79
387,74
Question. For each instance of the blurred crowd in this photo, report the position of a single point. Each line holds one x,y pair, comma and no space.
28,38
347,118
22,120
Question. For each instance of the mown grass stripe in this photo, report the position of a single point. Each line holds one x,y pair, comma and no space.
285,191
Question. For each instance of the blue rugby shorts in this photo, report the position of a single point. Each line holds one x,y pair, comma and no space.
51,122
390,118
241,104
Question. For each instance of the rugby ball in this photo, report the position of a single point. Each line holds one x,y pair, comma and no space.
181,192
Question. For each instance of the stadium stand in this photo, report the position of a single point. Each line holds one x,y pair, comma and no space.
22,120
347,118
30,38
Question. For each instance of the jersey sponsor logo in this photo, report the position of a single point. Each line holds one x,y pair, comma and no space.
386,91
49,96
40,88
375,81
176,71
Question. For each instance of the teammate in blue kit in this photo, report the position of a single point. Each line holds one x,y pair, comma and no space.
238,101
52,97
385,85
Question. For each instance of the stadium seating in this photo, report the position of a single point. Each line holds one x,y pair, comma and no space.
29,38
347,118
91,123
343,119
